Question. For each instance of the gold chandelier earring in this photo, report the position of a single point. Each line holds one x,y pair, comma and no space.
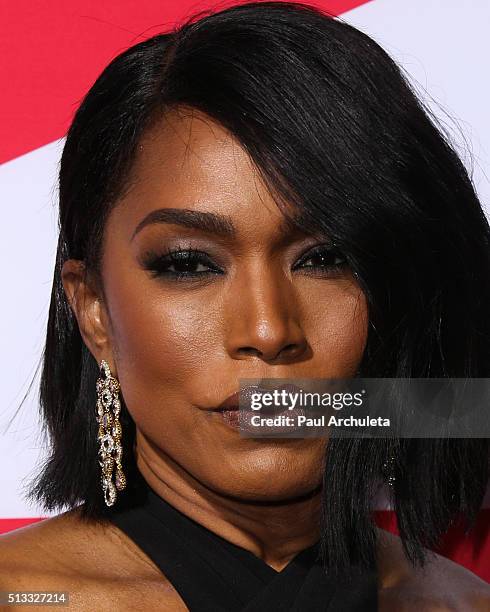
109,435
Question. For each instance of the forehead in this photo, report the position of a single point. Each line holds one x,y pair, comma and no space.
188,160
187,140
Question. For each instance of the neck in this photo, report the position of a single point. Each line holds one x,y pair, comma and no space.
273,531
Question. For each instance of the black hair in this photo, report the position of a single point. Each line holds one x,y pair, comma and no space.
340,137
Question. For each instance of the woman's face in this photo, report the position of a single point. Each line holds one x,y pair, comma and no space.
255,304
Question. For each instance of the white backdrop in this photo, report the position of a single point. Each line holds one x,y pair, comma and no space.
444,46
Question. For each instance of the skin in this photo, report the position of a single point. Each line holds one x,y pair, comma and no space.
179,348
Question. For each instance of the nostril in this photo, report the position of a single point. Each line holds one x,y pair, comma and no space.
295,347
249,350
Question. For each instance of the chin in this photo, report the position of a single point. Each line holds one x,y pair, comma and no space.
258,493
263,484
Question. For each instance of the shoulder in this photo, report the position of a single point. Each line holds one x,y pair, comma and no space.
440,586
96,563
467,594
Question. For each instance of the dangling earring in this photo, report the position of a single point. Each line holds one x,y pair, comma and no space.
389,470
109,436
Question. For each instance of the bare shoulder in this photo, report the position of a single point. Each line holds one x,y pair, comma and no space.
95,562
441,586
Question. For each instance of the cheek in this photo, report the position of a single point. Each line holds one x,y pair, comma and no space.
163,334
161,343
165,340
337,328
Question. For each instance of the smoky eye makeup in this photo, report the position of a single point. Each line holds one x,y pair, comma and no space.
186,263
323,259
181,262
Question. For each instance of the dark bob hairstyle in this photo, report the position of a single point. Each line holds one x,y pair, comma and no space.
342,140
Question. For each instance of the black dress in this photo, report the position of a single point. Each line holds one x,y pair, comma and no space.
213,575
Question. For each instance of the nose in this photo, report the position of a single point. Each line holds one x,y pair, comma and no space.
265,321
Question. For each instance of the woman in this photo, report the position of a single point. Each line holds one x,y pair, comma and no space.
258,194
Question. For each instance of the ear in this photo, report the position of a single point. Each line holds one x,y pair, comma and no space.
87,304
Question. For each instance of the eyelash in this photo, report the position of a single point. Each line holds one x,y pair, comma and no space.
157,264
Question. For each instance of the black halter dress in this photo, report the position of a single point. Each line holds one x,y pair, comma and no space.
213,575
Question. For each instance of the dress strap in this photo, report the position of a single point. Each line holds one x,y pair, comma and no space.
213,575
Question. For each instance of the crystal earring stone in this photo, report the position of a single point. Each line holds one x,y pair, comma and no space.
109,434
389,471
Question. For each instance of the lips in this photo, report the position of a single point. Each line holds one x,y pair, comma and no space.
243,398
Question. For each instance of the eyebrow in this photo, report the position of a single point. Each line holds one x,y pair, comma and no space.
214,223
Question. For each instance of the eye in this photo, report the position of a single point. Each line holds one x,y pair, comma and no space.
323,259
181,264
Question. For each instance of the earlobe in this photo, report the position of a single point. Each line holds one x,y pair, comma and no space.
87,307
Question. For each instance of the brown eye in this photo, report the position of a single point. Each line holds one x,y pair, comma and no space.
181,264
323,259
186,266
